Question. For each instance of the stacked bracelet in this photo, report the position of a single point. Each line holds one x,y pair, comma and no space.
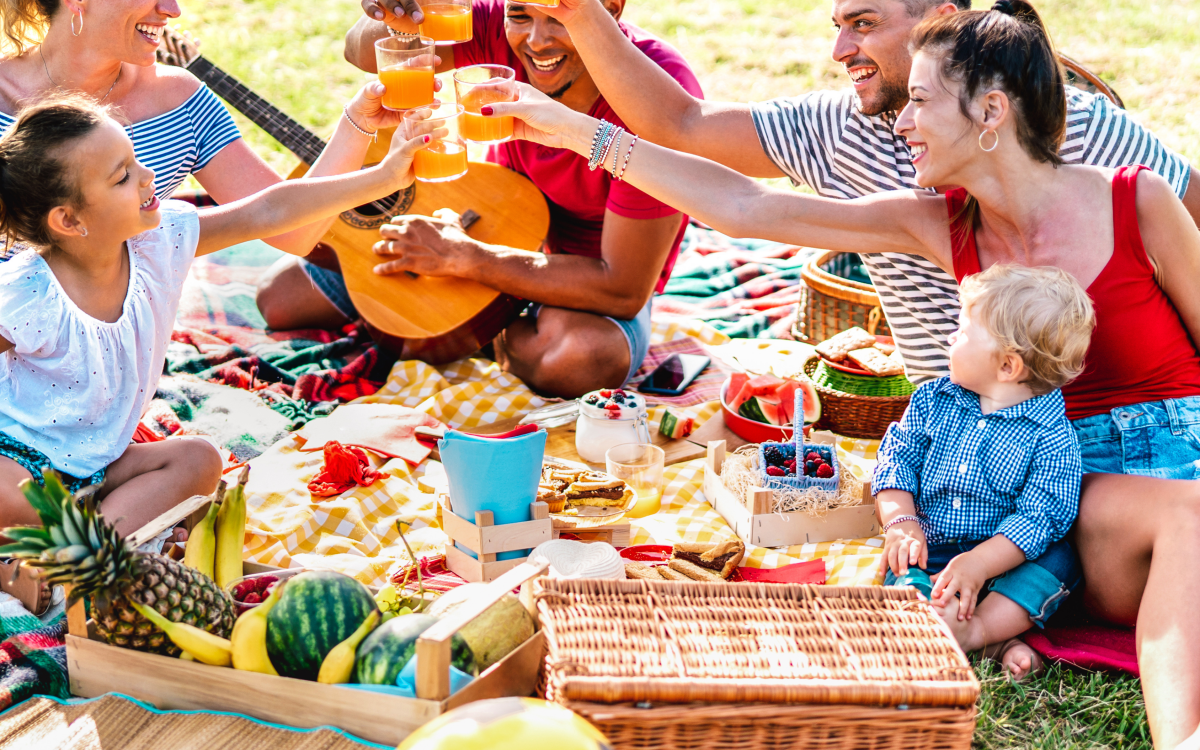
616,149
354,125
899,520
625,165
609,140
599,143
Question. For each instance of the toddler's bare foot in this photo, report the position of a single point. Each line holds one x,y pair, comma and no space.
1018,659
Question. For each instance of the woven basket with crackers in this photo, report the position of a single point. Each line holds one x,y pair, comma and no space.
860,378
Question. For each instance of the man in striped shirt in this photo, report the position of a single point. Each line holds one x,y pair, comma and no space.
841,144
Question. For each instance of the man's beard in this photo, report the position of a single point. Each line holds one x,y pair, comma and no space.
892,97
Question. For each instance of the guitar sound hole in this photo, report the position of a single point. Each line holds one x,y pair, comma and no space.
377,213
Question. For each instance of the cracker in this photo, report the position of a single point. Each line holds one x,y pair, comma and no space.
642,571
873,361
839,346
672,575
693,571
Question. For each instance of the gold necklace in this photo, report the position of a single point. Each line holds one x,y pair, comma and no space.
47,69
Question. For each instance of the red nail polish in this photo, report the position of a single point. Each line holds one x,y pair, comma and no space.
427,139
485,110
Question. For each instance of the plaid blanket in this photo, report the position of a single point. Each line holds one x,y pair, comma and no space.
33,655
743,288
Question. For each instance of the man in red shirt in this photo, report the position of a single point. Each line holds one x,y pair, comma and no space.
610,246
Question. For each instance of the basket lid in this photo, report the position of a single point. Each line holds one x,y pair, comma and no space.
615,641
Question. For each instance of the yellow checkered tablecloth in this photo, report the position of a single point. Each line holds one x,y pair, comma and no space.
355,532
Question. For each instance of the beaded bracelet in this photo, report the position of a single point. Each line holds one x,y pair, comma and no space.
629,153
616,149
601,133
609,140
353,124
899,520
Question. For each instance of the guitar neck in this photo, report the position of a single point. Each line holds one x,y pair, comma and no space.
295,137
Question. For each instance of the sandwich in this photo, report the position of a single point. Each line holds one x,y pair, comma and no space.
721,558
597,490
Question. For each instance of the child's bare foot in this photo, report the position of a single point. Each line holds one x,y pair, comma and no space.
1018,659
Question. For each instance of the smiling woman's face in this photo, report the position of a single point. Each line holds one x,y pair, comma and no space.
125,30
942,140
544,47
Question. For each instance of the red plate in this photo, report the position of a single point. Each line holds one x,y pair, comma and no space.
854,369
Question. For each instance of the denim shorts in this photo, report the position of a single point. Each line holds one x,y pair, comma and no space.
1038,586
636,331
1155,439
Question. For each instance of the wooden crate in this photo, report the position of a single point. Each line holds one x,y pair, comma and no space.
755,524
487,540
95,668
616,534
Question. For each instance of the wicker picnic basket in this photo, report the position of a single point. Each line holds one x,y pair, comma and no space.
853,415
831,302
720,666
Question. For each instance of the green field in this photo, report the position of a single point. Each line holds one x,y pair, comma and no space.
756,49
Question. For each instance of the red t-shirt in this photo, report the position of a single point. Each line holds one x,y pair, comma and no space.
577,196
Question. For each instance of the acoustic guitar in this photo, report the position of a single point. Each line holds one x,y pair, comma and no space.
435,319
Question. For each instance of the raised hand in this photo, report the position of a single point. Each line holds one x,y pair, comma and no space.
393,10
540,119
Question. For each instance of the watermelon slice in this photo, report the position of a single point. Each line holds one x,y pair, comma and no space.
771,410
751,410
674,427
733,390
787,400
812,402
764,385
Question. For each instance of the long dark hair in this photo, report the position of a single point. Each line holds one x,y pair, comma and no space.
34,176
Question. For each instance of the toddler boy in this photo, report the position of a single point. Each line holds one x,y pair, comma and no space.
979,481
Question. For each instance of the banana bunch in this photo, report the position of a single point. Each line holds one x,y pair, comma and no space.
215,544
249,637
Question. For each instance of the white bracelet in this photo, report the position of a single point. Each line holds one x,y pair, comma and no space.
353,124
899,520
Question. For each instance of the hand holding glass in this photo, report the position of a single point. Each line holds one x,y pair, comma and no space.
477,86
447,21
445,157
405,65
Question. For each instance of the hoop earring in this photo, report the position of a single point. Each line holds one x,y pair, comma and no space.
73,31
83,232
995,143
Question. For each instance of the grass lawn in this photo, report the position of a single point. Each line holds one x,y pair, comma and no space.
745,50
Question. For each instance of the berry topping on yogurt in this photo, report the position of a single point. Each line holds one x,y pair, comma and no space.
613,404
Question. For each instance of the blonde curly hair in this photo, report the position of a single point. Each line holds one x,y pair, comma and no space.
1041,314
25,23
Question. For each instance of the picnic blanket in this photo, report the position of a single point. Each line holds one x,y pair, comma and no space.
33,654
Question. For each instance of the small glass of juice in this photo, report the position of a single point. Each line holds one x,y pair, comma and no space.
640,466
444,158
405,65
447,21
480,85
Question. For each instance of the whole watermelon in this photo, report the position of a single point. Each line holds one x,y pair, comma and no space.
316,611
384,653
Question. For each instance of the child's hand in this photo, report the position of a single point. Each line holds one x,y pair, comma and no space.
965,576
904,546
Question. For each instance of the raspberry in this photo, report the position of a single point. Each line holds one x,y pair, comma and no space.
618,392
813,456
825,471
774,455
605,393
613,407
790,464
261,584
252,598
775,471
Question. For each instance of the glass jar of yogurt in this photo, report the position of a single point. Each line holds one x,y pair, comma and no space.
608,418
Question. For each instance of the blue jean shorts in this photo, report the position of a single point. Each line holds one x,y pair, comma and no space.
35,462
1038,586
636,331
1155,439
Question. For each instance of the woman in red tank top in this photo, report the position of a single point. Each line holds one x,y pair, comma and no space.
987,112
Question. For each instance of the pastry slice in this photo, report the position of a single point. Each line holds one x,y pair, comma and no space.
642,571
719,557
599,491
673,575
695,572
873,361
839,346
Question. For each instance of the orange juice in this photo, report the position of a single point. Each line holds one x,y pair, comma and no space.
440,162
406,88
446,23
475,127
649,500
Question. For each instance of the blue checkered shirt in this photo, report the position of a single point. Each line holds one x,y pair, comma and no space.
972,475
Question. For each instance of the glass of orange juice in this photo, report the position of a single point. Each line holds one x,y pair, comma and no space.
444,158
480,85
640,466
405,65
447,21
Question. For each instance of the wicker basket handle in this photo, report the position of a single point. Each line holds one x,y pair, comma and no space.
873,319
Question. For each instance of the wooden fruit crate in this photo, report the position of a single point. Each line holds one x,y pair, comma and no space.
487,540
754,523
96,668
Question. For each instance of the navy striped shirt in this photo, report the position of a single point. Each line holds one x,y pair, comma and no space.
177,143
824,141
1014,472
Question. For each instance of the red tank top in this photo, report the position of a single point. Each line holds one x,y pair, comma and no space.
1140,349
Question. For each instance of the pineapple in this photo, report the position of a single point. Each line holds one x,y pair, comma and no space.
77,546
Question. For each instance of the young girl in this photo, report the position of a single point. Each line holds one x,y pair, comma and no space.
86,318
